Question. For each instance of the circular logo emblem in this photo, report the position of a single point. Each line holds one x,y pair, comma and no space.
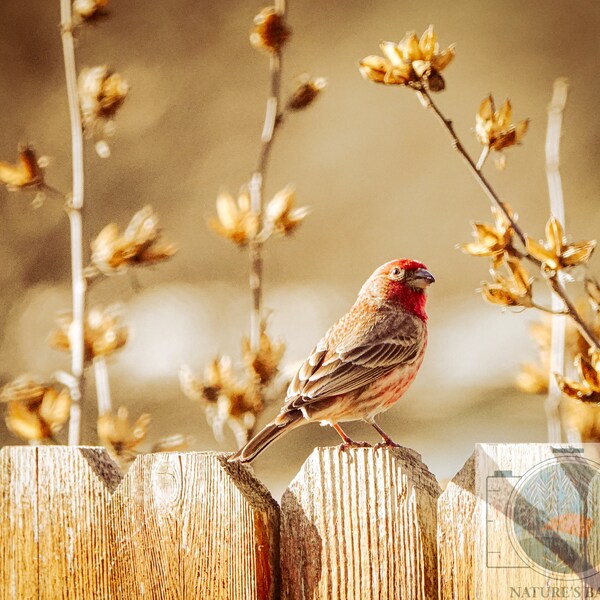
553,522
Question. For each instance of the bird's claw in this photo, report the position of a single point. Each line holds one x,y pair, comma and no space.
386,444
352,444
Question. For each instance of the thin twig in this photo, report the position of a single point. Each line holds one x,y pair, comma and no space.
482,158
273,119
550,311
74,210
102,385
586,331
557,208
481,179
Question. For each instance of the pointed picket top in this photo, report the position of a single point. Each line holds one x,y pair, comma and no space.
53,503
360,524
189,523
195,524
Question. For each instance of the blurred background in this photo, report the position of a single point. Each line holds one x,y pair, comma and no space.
377,170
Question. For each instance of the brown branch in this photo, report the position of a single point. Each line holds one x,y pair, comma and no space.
552,278
273,119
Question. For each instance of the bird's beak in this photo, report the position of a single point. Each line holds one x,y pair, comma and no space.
421,278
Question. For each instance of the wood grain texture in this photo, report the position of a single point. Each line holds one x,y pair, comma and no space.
18,523
73,489
511,524
457,528
179,526
360,524
53,524
192,526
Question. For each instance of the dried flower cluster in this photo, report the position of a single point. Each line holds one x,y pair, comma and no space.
417,64
493,241
270,31
495,129
555,253
35,410
280,216
140,244
102,333
510,291
237,222
581,406
26,173
587,389
235,400
411,62
497,243
262,364
102,92
89,9
119,436
305,93
250,222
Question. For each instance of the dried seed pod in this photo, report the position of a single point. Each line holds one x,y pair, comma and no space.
89,9
305,93
35,411
119,436
270,31
555,253
140,244
102,92
280,214
495,129
101,333
410,62
26,173
235,221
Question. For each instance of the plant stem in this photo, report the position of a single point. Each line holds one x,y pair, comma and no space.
550,311
273,119
557,208
482,158
74,210
102,385
428,102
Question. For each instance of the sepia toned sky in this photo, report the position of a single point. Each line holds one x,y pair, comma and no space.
376,169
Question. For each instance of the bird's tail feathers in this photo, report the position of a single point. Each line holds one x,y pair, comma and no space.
285,422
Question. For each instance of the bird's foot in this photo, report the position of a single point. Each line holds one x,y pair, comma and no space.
352,444
389,443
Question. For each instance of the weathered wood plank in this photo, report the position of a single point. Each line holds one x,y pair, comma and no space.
53,521
73,490
360,524
522,521
18,523
457,528
194,526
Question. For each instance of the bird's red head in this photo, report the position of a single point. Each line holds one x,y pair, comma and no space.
402,282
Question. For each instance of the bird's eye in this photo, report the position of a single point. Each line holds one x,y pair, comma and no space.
397,273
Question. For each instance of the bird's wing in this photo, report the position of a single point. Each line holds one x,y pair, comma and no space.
341,364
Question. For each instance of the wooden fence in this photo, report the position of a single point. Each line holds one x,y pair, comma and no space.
351,526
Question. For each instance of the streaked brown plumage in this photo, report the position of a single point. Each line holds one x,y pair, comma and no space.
364,363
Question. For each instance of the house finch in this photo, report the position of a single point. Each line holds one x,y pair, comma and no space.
365,362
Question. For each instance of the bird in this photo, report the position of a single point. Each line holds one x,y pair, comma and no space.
364,363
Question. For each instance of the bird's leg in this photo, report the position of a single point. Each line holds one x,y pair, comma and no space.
348,442
387,440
